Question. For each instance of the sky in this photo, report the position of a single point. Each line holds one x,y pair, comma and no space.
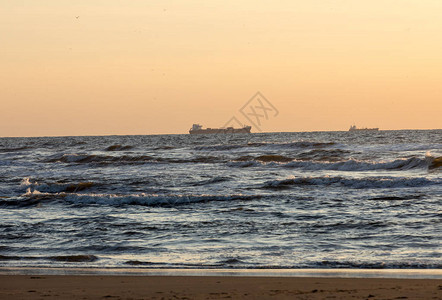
102,67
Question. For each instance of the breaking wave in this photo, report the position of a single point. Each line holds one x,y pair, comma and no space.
433,162
35,197
57,187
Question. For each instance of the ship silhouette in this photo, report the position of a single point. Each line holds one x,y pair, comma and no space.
354,128
198,129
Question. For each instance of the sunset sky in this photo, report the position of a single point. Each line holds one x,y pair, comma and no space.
151,67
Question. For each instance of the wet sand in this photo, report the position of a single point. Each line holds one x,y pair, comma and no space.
213,287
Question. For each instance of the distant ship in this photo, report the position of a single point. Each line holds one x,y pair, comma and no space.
198,129
354,128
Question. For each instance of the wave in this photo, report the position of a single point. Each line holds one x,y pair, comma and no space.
118,147
377,265
212,181
9,257
126,159
395,198
230,263
66,187
81,258
164,148
307,144
270,145
14,202
138,263
92,158
397,147
273,157
433,162
57,187
244,164
356,183
35,197
221,147
237,264
316,154
151,199
293,145
330,155
4,150
348,165
313,160
74,258
355,165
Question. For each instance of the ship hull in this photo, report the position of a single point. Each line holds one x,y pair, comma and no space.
220,130
365,129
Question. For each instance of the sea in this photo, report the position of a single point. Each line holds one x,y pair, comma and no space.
290,200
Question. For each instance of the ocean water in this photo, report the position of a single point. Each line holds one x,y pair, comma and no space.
268,200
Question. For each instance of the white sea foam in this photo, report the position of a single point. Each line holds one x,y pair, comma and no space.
32,192
27,182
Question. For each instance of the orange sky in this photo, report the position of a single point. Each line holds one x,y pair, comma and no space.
147,67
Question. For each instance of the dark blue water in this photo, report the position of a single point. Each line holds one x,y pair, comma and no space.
274,200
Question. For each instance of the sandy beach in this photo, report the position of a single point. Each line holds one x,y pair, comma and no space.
213,287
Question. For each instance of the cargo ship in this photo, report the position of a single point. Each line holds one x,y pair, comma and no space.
354,128
198,129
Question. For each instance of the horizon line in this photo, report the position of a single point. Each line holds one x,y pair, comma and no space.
152,134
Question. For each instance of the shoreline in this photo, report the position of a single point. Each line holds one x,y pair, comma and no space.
213,287
170,272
